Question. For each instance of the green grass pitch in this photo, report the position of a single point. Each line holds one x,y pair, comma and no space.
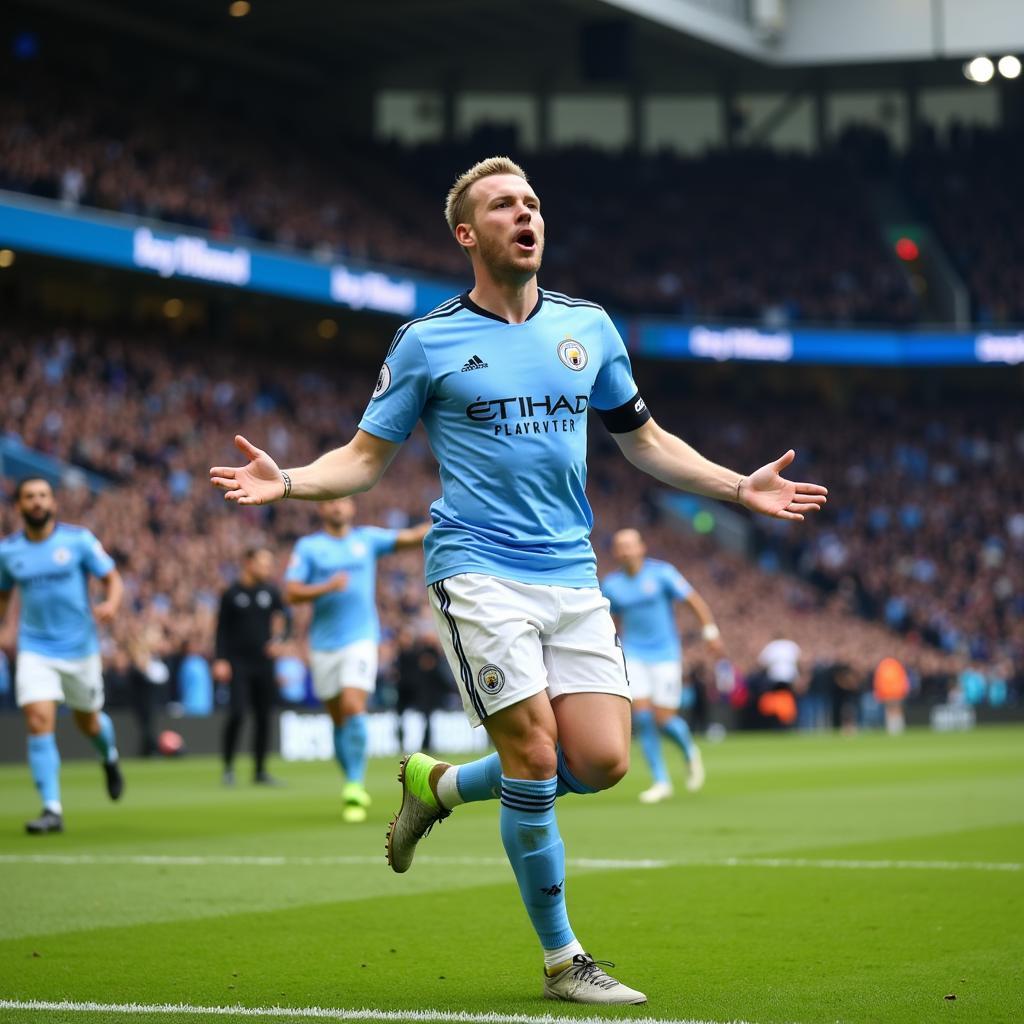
814,880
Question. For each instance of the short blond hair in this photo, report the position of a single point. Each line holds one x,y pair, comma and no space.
455,206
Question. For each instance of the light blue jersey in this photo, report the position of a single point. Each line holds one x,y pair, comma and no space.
52,577
505,409
644,605
344,616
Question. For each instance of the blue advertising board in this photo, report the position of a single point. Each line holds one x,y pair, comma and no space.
823,346
47,227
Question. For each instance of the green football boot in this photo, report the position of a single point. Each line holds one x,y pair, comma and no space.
356,801
419,812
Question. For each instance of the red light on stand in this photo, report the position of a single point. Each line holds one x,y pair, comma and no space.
907,249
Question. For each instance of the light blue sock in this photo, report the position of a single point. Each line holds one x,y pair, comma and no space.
340,752
679,733
105,741
479,780
650,743
535,849
567,782
44,763
353,748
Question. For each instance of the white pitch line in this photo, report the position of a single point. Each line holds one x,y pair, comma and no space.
867,865
584,863
325,1013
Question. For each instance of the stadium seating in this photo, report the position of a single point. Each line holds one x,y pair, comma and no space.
753,235
865,580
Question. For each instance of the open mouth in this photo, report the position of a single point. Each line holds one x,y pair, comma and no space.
526,240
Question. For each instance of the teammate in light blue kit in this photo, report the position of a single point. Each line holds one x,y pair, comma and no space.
336,569
58,650
643,595
502,378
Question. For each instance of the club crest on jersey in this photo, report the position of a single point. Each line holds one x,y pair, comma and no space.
491,679
62,556
572,353
383,381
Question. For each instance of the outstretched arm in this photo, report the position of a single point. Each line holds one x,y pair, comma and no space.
114,591
355,467
672,461
709,628
411,537
301,593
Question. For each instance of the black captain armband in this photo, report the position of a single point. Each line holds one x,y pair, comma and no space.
626,417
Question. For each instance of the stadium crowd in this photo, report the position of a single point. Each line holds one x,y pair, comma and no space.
929,533
723,236
977,170
876,575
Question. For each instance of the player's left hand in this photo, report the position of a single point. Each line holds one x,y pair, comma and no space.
104,612
768,492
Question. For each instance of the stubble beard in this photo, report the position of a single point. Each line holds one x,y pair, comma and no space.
494,257
37,520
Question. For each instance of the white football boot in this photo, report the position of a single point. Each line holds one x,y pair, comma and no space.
658,792
584,981
695,778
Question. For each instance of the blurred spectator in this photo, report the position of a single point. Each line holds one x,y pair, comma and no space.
780,660
891,688
424,681
846,690
195,680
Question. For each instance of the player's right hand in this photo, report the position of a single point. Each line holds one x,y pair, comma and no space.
339,581
258,483
222,670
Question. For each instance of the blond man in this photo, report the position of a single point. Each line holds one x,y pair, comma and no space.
503,377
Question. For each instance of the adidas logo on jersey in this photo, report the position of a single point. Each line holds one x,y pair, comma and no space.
474,363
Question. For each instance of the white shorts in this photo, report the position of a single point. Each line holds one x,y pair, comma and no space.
78,682
660,682
353,667
506,641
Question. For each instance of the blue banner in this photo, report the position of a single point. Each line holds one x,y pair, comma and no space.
91,236
44,226
825,346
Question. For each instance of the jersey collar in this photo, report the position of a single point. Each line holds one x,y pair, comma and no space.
468,303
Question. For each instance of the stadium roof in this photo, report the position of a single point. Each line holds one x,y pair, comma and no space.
527,45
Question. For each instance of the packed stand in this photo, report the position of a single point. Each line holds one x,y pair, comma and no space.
970,190
152,422
924,530
874,575
754,235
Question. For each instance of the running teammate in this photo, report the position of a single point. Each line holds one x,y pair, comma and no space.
643,595
336,569
58,648
503,377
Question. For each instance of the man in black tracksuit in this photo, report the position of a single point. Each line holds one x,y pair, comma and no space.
250,624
